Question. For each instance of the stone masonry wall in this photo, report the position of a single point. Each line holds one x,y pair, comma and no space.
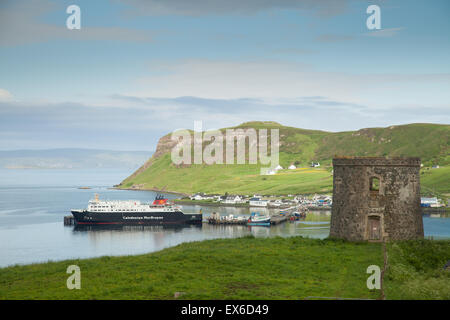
396,203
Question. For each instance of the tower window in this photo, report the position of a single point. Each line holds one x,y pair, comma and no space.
374,184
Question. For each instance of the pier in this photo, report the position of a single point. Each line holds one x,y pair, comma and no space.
287,214
284,215
215,218
279,218
69,221
229,222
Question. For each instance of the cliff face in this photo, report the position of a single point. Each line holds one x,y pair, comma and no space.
165,145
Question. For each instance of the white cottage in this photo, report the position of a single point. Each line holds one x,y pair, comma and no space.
233,200
257,202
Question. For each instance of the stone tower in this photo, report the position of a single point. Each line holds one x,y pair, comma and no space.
376,199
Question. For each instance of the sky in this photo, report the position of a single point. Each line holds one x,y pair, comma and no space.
137,70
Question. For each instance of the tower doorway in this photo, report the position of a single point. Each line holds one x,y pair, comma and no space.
374,227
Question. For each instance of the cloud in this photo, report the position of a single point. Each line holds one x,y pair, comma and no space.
131,122
5,95
21,23
390,32
221,7
273,79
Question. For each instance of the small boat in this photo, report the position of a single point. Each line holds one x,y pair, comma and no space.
257,219
296,215
300,214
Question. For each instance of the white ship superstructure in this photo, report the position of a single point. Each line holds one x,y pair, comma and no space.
97,205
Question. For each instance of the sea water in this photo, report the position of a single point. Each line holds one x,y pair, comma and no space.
33,203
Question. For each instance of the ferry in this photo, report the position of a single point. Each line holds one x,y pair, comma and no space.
160,212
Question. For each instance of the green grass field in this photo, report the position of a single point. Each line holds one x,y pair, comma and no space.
242,179
436,181
244,268
245,179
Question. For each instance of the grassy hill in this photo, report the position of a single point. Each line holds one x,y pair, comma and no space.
430,142
436,181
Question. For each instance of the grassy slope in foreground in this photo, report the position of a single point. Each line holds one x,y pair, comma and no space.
244,268
428,141
416,270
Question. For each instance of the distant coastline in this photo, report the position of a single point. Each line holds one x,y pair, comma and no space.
72,158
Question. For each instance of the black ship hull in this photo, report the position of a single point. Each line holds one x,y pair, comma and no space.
84,217
134,227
